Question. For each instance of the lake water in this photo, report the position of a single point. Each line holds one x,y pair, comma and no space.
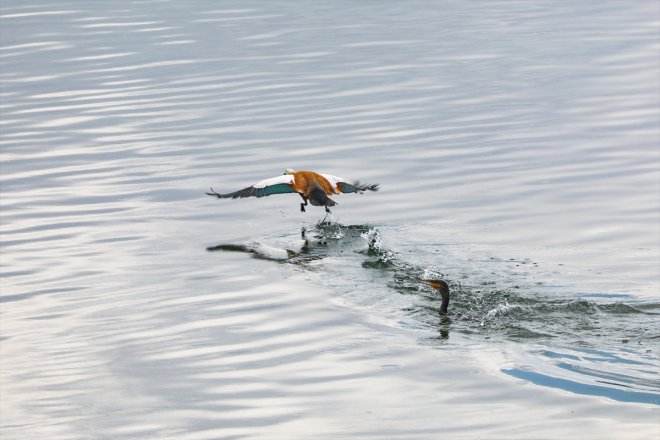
517,148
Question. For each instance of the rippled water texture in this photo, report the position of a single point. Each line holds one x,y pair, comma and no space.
517,148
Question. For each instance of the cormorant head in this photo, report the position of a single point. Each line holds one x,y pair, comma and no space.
443,288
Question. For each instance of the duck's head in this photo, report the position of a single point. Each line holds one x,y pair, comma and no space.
441,287
288,171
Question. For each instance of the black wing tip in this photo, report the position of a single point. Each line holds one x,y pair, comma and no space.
366,187
245,192
213,193
359,188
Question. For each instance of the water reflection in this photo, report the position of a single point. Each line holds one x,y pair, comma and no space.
626,375
605,390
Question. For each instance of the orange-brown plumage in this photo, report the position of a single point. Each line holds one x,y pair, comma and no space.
304,181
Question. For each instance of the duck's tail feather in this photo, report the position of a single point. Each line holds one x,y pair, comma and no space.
318,197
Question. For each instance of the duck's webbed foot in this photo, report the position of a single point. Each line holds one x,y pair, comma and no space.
302,205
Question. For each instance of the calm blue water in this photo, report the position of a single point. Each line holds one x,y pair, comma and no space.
517,147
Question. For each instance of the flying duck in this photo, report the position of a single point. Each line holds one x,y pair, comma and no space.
311,186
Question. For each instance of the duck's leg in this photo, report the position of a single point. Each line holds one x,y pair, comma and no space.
327,210
302,205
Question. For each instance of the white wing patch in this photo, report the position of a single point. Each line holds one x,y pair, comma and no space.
285,178
334,180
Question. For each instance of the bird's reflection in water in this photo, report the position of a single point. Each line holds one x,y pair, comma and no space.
325,240
330,240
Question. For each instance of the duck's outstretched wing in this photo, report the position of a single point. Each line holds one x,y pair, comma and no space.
274,185
346,186
356,187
